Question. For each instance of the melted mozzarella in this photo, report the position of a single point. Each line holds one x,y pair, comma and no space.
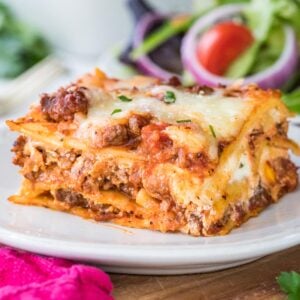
243,171
225,114
194,140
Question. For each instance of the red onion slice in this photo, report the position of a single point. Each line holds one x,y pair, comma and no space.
144,63
272,77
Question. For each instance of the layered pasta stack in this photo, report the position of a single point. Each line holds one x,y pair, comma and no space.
150,154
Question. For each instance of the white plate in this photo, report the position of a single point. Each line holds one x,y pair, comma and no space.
124,250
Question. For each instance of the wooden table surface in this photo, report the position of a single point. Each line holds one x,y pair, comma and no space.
252,281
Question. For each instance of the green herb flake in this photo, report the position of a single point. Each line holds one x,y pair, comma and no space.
169,97
184,121
124,98
241,165
115,111
212,130
289,283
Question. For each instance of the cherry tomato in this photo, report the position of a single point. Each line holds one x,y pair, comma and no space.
221,45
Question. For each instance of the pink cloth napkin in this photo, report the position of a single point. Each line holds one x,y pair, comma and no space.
26,276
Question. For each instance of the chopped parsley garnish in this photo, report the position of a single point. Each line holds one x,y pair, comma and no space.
124,98
115,111
184,121
169,97
241,165
212,130
290,284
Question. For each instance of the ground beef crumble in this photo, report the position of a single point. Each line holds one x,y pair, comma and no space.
62,105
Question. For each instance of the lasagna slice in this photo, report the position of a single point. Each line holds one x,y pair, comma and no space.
150,154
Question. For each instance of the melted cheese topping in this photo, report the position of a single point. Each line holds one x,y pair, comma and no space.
225,114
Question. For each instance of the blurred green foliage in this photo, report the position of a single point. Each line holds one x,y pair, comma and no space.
20,46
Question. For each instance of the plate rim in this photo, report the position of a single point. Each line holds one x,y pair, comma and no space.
135,255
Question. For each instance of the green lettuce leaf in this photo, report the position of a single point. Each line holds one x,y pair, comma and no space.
292,101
